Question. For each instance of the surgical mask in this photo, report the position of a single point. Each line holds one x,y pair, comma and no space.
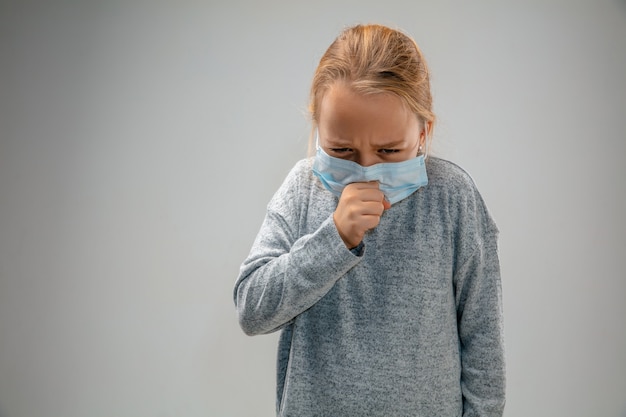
397,180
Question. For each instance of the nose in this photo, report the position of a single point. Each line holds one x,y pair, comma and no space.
366,159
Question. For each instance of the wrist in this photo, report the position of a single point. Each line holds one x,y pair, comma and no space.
358,250
350,243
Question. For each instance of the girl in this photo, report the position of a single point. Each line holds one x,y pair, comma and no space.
378,265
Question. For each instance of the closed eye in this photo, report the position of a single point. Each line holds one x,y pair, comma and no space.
341,150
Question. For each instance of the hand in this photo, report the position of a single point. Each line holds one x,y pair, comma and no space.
360,206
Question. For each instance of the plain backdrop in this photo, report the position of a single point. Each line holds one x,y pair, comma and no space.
140,142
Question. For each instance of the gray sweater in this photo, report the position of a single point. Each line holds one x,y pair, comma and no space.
408,325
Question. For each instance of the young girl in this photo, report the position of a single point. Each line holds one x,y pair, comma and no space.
377,263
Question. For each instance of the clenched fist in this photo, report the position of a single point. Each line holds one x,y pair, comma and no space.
360,206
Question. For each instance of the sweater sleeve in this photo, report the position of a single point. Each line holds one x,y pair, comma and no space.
479,315
285,273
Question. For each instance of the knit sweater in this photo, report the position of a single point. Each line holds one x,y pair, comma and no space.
408,325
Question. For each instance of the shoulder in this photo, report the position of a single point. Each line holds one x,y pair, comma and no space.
448,181
297,183
303,168
443,173
300,176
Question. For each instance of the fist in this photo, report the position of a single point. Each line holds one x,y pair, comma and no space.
360,206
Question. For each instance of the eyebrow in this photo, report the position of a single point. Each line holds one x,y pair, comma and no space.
338,143
389,145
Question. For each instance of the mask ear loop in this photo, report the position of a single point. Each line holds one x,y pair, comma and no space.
317,139
425,140
423,147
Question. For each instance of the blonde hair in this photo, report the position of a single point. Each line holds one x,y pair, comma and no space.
374,59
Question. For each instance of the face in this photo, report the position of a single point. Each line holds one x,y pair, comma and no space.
367,129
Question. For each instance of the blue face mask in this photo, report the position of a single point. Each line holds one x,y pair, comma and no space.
397,180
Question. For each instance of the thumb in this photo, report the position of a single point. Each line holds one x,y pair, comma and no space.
386,204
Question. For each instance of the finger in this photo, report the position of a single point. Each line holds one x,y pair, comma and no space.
386,204
365,185
372,208
371,195
370,221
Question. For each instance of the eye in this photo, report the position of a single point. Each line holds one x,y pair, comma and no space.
341,150
389,151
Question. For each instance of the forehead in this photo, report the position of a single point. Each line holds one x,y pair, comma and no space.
347,114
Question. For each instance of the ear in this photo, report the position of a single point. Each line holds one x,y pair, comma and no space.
424,133
428,125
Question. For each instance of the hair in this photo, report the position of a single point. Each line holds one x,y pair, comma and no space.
374,59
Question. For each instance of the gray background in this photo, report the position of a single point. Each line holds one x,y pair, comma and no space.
141,141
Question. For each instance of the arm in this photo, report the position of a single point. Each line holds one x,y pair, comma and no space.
288,271
479,311
277,282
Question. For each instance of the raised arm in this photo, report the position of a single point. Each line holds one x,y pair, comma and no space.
280,280
288,269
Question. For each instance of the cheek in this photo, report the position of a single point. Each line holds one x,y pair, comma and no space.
416,149
408,156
